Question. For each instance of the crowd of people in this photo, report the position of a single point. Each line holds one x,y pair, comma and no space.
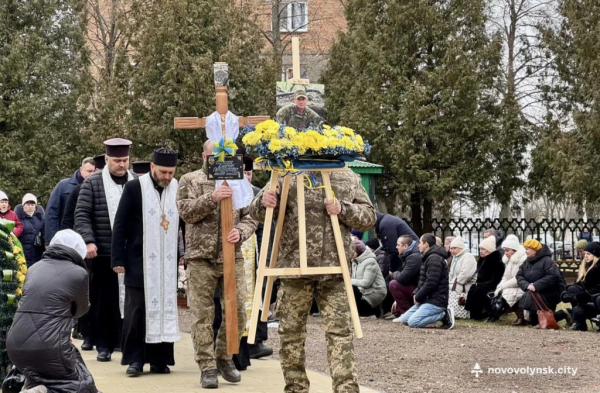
117,236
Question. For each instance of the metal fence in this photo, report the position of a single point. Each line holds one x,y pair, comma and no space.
560,235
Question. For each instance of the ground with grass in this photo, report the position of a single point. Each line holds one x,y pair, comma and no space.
394,358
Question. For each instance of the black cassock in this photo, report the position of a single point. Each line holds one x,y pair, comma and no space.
127,252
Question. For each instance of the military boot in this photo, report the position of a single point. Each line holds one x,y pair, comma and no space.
209,379
228,371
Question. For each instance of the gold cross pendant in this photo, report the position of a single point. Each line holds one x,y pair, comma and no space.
164,223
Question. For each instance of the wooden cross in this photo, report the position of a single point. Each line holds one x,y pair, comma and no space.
296,79
229,280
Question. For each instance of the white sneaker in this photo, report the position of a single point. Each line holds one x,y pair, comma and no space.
397,320
449,320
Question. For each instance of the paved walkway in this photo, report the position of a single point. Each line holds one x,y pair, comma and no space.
264,376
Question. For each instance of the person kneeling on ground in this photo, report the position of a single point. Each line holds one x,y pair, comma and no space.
463,274
406,279
539,273
431,295
581,294
508,289
489,273
367,281
38,342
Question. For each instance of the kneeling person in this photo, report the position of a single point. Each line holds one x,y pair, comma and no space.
144,247
431,295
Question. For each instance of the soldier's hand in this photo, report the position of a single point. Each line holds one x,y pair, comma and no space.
234,236
119,269
92,251
269,199
333,208
221,193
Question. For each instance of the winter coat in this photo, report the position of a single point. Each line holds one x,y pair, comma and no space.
367,276
433,280
383,262
68,219
508,285
357,213
92,221
12,216
591,281
543,273
389,228
56,204
410,268
463,272
489,271
31,227
39,340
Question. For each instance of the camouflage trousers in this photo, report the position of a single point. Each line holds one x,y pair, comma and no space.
203,278
295,299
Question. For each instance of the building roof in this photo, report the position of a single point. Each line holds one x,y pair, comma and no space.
365,167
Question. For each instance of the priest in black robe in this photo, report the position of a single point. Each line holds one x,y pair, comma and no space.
144,247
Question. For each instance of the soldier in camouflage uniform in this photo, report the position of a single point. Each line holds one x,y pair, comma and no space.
198,203
354,210
298,114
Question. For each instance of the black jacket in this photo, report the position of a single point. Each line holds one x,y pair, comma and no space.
39,340
383,262
411,268
56,204
489,271
433,281
68,220
591,281
31,227
92,221
128,234
543,273
389,228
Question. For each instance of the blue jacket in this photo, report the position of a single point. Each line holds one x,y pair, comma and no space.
31,227
389,228
56,205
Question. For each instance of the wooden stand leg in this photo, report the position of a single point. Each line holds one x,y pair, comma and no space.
343,262
302,225
275,249
262,262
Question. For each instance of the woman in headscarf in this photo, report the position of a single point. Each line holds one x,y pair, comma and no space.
463,274
38,342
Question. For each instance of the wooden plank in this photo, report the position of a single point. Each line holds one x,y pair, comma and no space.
343,262
285,190
301,224
262,262
290,271
262,166
229,279
189,123
252,120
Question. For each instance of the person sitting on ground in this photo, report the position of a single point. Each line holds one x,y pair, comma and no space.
581,294
539,273
447,242
431,295
405,281
367,281
375,247
356,235
508,289
497,235
38,342
463,274
489,273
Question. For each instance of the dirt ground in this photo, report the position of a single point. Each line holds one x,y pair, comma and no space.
394,358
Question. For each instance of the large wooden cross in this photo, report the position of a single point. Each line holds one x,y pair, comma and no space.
296,79
229,279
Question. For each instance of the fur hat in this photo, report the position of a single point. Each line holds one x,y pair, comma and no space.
533,244
458,242
359,247
511,241
489,244
593,248
581,245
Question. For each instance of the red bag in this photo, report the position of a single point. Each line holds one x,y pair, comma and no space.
545,315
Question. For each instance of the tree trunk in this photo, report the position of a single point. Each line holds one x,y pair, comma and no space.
427,215
415,210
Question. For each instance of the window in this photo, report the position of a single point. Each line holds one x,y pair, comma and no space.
294,17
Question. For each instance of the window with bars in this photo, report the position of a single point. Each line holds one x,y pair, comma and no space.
294,17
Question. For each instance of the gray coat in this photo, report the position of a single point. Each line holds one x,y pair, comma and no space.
367,277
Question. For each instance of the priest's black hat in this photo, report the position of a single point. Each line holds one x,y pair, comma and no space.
141,167
163,156
117,147
100,161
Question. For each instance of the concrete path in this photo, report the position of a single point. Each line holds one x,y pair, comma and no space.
264,376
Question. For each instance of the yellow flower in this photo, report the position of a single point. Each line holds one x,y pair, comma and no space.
277,144
19,292
347,131
268,129
23,269
330,133
20,260
251,139
290,132
21,277
16,250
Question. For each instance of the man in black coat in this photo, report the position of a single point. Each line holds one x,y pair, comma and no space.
389,228
94,216
135,242
405,280
68,218
431,295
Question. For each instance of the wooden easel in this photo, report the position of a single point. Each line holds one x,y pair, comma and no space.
272,271
229,279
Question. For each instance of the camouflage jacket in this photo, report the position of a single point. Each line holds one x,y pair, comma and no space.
289,115
203,218
357,213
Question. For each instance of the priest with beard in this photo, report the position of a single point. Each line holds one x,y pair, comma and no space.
144,247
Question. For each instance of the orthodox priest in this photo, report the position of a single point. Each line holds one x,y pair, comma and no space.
94,218
144,247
